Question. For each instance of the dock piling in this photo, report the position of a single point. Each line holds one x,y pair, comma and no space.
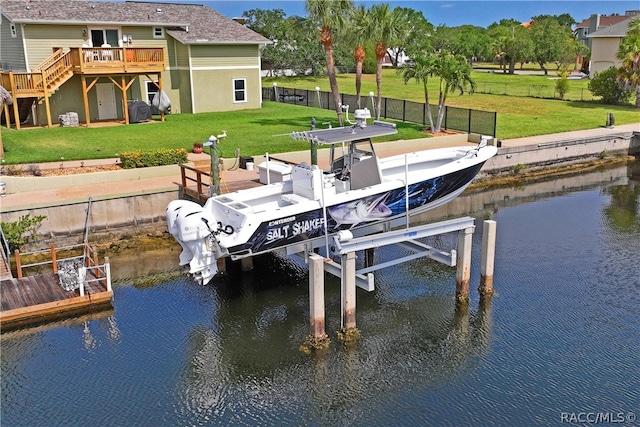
488,258
463,263
349,291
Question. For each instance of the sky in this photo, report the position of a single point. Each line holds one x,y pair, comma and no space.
450,13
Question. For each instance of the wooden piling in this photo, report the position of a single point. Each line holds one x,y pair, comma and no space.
488,258
463,263
246,264
349,290
316,295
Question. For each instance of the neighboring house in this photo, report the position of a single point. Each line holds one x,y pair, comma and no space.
94,58
597,22
604,46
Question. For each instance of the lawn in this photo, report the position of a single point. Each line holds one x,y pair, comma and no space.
518,115
255,132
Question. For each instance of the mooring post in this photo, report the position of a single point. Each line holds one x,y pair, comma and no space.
349,290
463,263
316,295
488,257
246,264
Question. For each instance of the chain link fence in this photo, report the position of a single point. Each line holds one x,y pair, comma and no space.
458,119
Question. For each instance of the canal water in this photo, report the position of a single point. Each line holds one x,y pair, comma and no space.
558,344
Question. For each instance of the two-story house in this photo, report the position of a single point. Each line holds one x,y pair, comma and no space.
94,57
595,27
605,44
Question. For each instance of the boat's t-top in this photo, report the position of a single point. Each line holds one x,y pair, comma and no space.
354,140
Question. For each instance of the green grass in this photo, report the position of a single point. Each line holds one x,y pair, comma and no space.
266,130
255,132
518,114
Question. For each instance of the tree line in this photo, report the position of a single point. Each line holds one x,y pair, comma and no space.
338,35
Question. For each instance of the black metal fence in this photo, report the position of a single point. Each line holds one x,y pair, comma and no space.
459,119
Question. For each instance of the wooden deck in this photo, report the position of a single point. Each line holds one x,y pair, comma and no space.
195,182
37,298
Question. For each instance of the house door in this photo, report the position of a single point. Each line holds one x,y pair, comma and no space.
106,101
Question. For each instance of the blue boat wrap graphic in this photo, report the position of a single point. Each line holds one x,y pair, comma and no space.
308,225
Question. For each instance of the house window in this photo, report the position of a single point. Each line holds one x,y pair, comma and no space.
101,36
239,90
158,32
14,33
152,89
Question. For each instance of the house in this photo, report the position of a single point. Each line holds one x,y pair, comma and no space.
605,44
584,30
597,22
95,57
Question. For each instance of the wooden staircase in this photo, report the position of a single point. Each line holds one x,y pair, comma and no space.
120,65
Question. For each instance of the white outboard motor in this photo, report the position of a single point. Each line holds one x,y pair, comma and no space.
194,227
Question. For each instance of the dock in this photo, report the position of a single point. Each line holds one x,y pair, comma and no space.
41,297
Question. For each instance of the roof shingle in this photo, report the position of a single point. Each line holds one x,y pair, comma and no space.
188,23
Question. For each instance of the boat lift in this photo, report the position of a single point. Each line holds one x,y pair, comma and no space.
346,245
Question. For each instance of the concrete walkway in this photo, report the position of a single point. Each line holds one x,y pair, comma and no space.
31,199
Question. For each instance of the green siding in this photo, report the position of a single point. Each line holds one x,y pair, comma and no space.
42,39
224,56
215,90
12,58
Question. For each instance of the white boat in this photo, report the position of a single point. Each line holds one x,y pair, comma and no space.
360,188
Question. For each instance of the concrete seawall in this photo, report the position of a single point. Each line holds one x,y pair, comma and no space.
562,152
120,210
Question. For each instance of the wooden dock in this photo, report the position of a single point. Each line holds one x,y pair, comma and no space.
39,298
195,181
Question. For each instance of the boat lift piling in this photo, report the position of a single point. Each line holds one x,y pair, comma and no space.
346,246
488,258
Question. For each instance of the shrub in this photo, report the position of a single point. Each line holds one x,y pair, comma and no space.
138,159
562,84
605,84
21,231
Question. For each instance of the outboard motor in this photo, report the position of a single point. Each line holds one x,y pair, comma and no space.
194,228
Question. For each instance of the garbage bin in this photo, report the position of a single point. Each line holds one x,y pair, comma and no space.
244,161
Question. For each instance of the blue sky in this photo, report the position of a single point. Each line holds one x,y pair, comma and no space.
450,13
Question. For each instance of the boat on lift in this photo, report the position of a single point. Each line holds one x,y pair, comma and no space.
359,189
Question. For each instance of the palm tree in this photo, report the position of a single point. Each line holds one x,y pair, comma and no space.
420,69
385,29
331,15
357,32
453,72
629,54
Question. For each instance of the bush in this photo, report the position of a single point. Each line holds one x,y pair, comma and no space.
21,231
605,84
138,159
562,84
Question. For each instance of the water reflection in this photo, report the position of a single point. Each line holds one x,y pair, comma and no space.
249,357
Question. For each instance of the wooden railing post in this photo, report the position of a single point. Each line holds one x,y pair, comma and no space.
95,262
54,263
183,176
18,264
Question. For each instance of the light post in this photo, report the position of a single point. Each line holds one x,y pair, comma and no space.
373,108
275,90
318,93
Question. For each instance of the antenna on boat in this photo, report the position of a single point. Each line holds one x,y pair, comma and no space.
361,115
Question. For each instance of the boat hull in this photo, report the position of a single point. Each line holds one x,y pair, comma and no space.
380,207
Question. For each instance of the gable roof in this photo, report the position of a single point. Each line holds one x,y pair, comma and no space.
605,21
618,30
188,23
